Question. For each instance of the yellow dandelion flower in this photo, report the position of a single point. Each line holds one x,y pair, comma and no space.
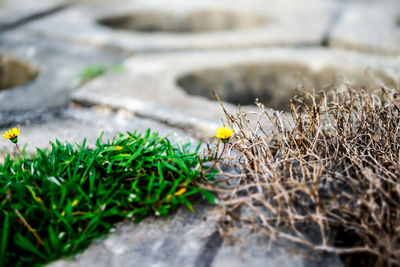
177,193
180,192
74,203
12,134
224,133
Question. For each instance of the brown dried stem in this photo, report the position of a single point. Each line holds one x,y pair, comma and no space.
332,165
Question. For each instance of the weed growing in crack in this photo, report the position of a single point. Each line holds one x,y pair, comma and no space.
331,168
55,203
93,71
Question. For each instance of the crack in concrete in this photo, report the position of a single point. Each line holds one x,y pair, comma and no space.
335,17
89,104
209,250
32,17
22,118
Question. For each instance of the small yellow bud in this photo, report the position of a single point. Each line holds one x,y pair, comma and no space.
180,192
74,203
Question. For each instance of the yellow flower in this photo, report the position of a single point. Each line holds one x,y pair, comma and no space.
180,192
12,134
177,193
224,133
74,203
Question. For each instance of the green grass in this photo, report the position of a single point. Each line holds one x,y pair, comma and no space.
56,202
94,71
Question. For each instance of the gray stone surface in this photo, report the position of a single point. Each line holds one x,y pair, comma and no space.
256,250
148,86
370,26
57,63
75,124
191,25
186,239
14,12
183,239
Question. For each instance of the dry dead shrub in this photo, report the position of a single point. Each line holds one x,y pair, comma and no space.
331,168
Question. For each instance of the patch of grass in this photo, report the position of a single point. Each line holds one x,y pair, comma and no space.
94,71
55,203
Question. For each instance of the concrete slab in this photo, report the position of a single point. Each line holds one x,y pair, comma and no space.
369,26
15,12
180,240
256,250
177,88
49,67
185,239
75,124
144,26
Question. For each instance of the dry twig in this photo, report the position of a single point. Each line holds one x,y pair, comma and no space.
332,165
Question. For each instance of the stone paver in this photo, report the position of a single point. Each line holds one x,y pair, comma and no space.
57,63
75,124
145,26
150,87
14,12
183,239
370,26
256,250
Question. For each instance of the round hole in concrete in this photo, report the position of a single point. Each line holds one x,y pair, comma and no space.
192,22
14,73
274,84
